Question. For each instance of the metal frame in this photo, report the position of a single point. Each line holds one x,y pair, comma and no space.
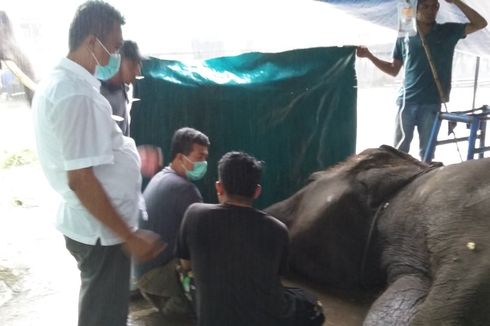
476,121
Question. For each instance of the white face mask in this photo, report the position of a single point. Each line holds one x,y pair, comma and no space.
111,69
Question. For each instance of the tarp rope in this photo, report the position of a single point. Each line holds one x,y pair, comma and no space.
442,95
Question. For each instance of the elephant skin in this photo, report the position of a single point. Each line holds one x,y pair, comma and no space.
383,222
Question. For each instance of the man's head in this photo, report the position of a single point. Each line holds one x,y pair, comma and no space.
239,176
130,62
189,153
427,11
97,28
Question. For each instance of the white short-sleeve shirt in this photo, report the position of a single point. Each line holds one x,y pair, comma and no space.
74,130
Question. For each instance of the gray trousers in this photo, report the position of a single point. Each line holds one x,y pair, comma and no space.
104,289
162,288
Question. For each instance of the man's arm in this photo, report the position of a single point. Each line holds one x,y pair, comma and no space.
83,182
476,23
390,68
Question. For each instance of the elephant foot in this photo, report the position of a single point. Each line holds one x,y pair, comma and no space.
399,303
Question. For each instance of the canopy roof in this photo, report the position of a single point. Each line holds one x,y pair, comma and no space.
196,29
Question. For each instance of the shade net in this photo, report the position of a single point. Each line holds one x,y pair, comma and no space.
294,110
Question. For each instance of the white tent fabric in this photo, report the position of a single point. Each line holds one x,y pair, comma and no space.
384,13
201,29
196,29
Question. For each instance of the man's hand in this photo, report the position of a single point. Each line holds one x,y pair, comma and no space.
477,22
144,245
363,52
151,160
391,68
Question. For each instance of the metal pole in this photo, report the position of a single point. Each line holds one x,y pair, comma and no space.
475,84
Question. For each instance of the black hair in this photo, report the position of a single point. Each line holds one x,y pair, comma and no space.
239,174
183,139
129,50
93,17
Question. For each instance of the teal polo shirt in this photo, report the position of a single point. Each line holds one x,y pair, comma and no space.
419,84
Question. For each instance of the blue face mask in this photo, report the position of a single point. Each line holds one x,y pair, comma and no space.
198,170
111,69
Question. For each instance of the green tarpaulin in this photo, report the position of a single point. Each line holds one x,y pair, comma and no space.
294,110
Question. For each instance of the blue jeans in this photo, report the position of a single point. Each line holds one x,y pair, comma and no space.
420,115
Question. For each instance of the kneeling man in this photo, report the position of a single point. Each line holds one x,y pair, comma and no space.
167,196
238,253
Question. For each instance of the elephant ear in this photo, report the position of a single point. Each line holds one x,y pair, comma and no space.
384,171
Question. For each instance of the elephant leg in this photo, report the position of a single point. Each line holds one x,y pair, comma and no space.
459,296
399,303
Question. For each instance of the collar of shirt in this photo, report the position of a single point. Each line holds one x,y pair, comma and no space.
80,71
112,88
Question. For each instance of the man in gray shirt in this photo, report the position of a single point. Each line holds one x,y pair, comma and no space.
167,196
115,89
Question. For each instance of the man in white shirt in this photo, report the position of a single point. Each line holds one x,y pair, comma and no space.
94,168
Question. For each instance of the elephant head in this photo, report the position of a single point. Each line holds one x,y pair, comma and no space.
14,58
329,219
384,223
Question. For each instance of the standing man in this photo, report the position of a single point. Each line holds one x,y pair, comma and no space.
420,97
94,168
167,196
237,255
115,87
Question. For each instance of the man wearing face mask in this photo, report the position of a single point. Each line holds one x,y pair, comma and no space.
94,168
167,196
115,78
115,82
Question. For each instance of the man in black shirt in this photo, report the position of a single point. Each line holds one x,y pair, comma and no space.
238,253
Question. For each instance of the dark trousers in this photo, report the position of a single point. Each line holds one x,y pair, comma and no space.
306,308
104,289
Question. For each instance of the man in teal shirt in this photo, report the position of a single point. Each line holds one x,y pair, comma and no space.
420,99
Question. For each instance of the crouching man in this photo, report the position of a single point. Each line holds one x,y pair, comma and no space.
237,255
167,196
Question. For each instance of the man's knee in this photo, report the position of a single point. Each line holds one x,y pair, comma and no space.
169,306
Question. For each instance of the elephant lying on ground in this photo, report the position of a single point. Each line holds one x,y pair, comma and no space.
384,220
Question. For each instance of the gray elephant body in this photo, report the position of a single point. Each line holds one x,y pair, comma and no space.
383,220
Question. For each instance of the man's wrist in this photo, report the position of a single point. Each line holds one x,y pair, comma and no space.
128,237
